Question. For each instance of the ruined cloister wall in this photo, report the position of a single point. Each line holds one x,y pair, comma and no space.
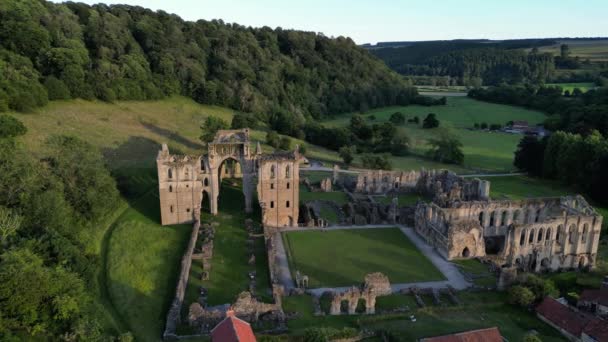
279,190
442,185
534,234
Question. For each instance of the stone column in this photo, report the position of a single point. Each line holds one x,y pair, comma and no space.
248,190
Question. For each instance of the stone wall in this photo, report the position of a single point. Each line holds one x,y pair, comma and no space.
376,284
542,234
174,314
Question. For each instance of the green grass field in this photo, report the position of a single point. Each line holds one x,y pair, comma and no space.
583,86
484,151
355,253
143,260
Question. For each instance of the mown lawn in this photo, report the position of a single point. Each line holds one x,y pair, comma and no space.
344,257
484,151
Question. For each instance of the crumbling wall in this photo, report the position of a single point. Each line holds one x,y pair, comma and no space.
173,316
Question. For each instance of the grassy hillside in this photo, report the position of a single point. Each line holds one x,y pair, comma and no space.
130,132
484,151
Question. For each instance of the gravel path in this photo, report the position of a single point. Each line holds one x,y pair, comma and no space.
454,277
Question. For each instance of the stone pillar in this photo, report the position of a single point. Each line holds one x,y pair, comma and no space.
248,191
335,305
353,301
335,173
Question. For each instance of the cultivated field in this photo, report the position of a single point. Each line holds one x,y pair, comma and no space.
484,151
355,253
594,50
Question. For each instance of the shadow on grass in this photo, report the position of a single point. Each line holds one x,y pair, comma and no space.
172,136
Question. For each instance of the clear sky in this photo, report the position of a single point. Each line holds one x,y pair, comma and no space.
371,21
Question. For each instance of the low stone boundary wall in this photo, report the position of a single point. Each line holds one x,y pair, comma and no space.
174,314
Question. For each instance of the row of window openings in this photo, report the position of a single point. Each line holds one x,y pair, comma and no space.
205,183
272,204
272,185
548,236
272,171
503,218
171,209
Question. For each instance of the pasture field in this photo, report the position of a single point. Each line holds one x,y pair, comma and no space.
484,151
583,86
355,253
594,50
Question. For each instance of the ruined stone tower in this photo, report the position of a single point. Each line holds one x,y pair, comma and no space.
279,188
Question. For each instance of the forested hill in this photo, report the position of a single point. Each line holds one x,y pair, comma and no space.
60,51
472,62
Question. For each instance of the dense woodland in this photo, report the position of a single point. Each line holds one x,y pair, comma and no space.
472,63
54,51
51,211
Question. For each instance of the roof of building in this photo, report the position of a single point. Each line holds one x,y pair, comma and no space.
520,123
232,329
481,335
598,329
599,296
574,322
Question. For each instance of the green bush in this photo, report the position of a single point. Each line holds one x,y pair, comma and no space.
520,295
11,127
56,89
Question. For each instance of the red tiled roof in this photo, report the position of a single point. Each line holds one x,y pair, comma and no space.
599,296
562,316
232,329
598,329
481,335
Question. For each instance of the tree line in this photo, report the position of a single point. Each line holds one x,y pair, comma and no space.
471,62
573,159
54,51
51,208
578,113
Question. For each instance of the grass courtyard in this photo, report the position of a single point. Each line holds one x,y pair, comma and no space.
343,257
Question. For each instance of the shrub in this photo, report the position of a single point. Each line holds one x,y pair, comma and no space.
520,295
374,161
397,118
273,139
56,89
11,127
430,121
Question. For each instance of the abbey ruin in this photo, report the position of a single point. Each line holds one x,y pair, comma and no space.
189,183
462,221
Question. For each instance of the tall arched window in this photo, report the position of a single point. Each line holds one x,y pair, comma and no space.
170,173
206,182
202,165
571,233
558,234
170,188
585,230
522,239
548,237
481,218
537,218
272,175
287,171
492,218
540,235
531,237
503,219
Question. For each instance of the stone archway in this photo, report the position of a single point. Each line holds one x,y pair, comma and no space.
466,252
